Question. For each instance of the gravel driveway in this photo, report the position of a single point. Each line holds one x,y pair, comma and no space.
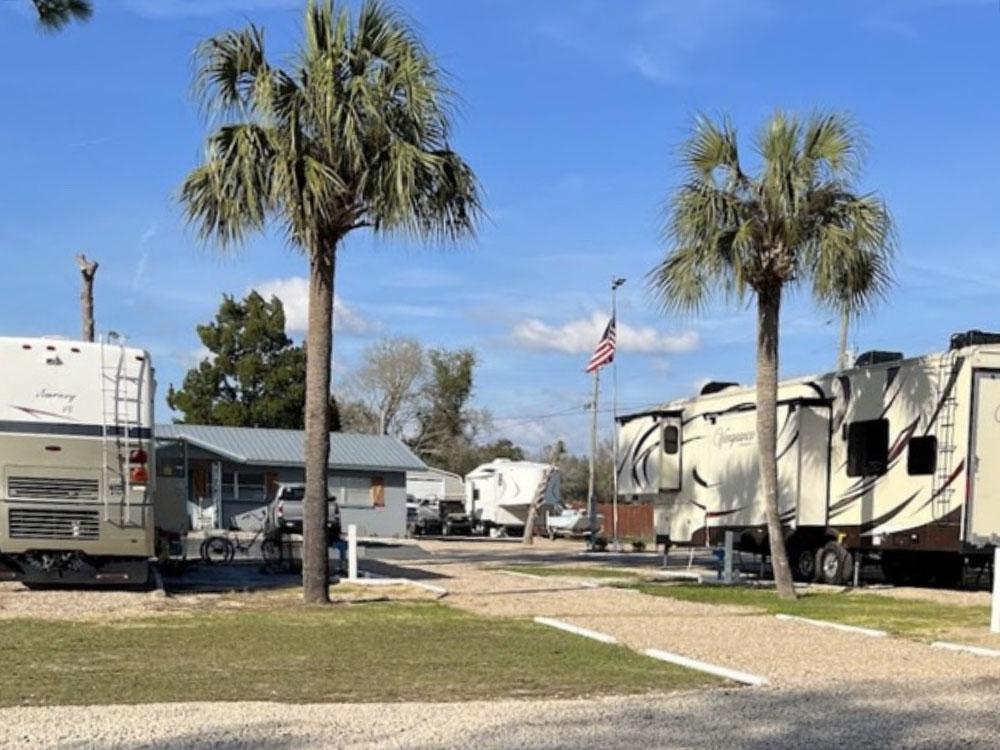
874,715
828,689
788,653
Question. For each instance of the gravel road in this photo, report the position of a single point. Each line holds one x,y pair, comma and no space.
868,715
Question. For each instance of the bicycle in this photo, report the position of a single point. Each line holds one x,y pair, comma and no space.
221,550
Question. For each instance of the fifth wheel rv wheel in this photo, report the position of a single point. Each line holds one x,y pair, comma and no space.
804,561
834,564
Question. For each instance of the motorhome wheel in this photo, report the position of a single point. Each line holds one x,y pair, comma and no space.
834,564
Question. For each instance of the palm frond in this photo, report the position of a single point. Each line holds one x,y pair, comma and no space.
54,15
712,147
799,220
231,194
357,134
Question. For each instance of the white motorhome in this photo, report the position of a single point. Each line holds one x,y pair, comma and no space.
894,457
499,494
76,445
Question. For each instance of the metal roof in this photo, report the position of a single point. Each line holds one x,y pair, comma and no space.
256,445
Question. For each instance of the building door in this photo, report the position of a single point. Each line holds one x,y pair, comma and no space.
983,513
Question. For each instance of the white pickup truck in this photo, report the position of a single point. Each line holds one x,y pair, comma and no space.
285,511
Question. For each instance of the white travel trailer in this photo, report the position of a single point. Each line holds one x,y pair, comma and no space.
894,457
499,494
434,485
75,450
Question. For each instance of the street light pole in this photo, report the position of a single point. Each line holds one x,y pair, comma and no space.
615,283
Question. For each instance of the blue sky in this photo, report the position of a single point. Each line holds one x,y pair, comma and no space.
571,114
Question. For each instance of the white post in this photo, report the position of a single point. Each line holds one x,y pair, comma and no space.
727,562
995,611
352,552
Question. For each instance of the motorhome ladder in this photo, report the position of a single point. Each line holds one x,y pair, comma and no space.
941,490
121,394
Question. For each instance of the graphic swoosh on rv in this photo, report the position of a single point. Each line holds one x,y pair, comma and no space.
36,412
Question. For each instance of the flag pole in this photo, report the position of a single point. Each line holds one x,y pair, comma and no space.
591,499
615,283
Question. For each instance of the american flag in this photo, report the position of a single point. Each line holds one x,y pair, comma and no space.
605,351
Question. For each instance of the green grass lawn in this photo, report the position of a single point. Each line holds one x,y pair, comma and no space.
567,571
366,653
906,617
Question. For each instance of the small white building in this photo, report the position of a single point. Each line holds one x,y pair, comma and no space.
225,471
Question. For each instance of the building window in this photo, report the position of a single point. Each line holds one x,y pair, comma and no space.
671,440
868,448
247,487
229,485
475,493
378,492
921,457
252,487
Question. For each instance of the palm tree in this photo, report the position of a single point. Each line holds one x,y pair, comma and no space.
354,134
53,15
798,221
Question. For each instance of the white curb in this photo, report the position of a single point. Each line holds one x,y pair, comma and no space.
655,653
977,650
370,580
679,575
724,672
870,632
576,630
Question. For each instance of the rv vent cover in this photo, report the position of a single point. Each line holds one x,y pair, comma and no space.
877,357
714,386
973,338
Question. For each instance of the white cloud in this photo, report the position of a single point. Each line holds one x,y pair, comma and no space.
664,39
193,357
581,336
645,65
294,295
140,267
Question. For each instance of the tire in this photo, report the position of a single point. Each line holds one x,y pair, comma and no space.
272,550
804,564
834,564
217,550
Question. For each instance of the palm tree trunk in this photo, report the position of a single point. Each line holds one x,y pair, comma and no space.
768,308
88,269
845,322
319,345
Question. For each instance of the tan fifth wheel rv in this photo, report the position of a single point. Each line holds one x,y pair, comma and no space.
897,458
76,422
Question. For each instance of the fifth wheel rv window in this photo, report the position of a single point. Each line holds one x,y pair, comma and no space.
867,448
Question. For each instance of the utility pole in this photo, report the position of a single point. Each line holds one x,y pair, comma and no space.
88,269
591,499
615,283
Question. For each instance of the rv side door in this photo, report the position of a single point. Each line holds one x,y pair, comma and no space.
983,514
670,454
